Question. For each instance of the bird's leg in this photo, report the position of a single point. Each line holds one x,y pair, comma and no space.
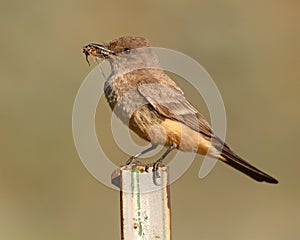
132,159
159,162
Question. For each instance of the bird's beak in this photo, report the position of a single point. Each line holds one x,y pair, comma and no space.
97,51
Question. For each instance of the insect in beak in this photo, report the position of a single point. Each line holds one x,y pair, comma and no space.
96,51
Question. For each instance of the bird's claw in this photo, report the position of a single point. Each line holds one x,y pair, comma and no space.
155,166
132,161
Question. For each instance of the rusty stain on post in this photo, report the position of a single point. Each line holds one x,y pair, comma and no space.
145,206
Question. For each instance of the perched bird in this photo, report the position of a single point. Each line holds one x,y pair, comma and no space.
150,103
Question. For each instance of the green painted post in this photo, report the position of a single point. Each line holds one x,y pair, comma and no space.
145,203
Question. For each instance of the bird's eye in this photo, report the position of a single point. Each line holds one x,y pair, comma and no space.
127,50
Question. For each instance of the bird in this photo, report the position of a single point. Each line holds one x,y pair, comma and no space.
152,105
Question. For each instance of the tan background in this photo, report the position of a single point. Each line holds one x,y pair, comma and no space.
251,48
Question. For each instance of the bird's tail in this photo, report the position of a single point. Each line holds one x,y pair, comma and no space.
238,163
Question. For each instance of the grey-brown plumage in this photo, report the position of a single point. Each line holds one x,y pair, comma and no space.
152,105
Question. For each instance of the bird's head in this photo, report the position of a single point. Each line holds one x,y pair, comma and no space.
123,52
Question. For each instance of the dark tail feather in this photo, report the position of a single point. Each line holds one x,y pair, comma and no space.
238,163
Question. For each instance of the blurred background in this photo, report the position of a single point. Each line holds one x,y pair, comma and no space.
250,48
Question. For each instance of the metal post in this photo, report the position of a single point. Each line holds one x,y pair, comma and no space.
145,204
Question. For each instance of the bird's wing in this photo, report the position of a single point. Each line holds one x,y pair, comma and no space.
171,103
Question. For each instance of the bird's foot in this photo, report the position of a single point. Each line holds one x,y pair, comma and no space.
155,166
132,161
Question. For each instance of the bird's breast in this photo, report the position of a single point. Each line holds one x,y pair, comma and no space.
123,97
